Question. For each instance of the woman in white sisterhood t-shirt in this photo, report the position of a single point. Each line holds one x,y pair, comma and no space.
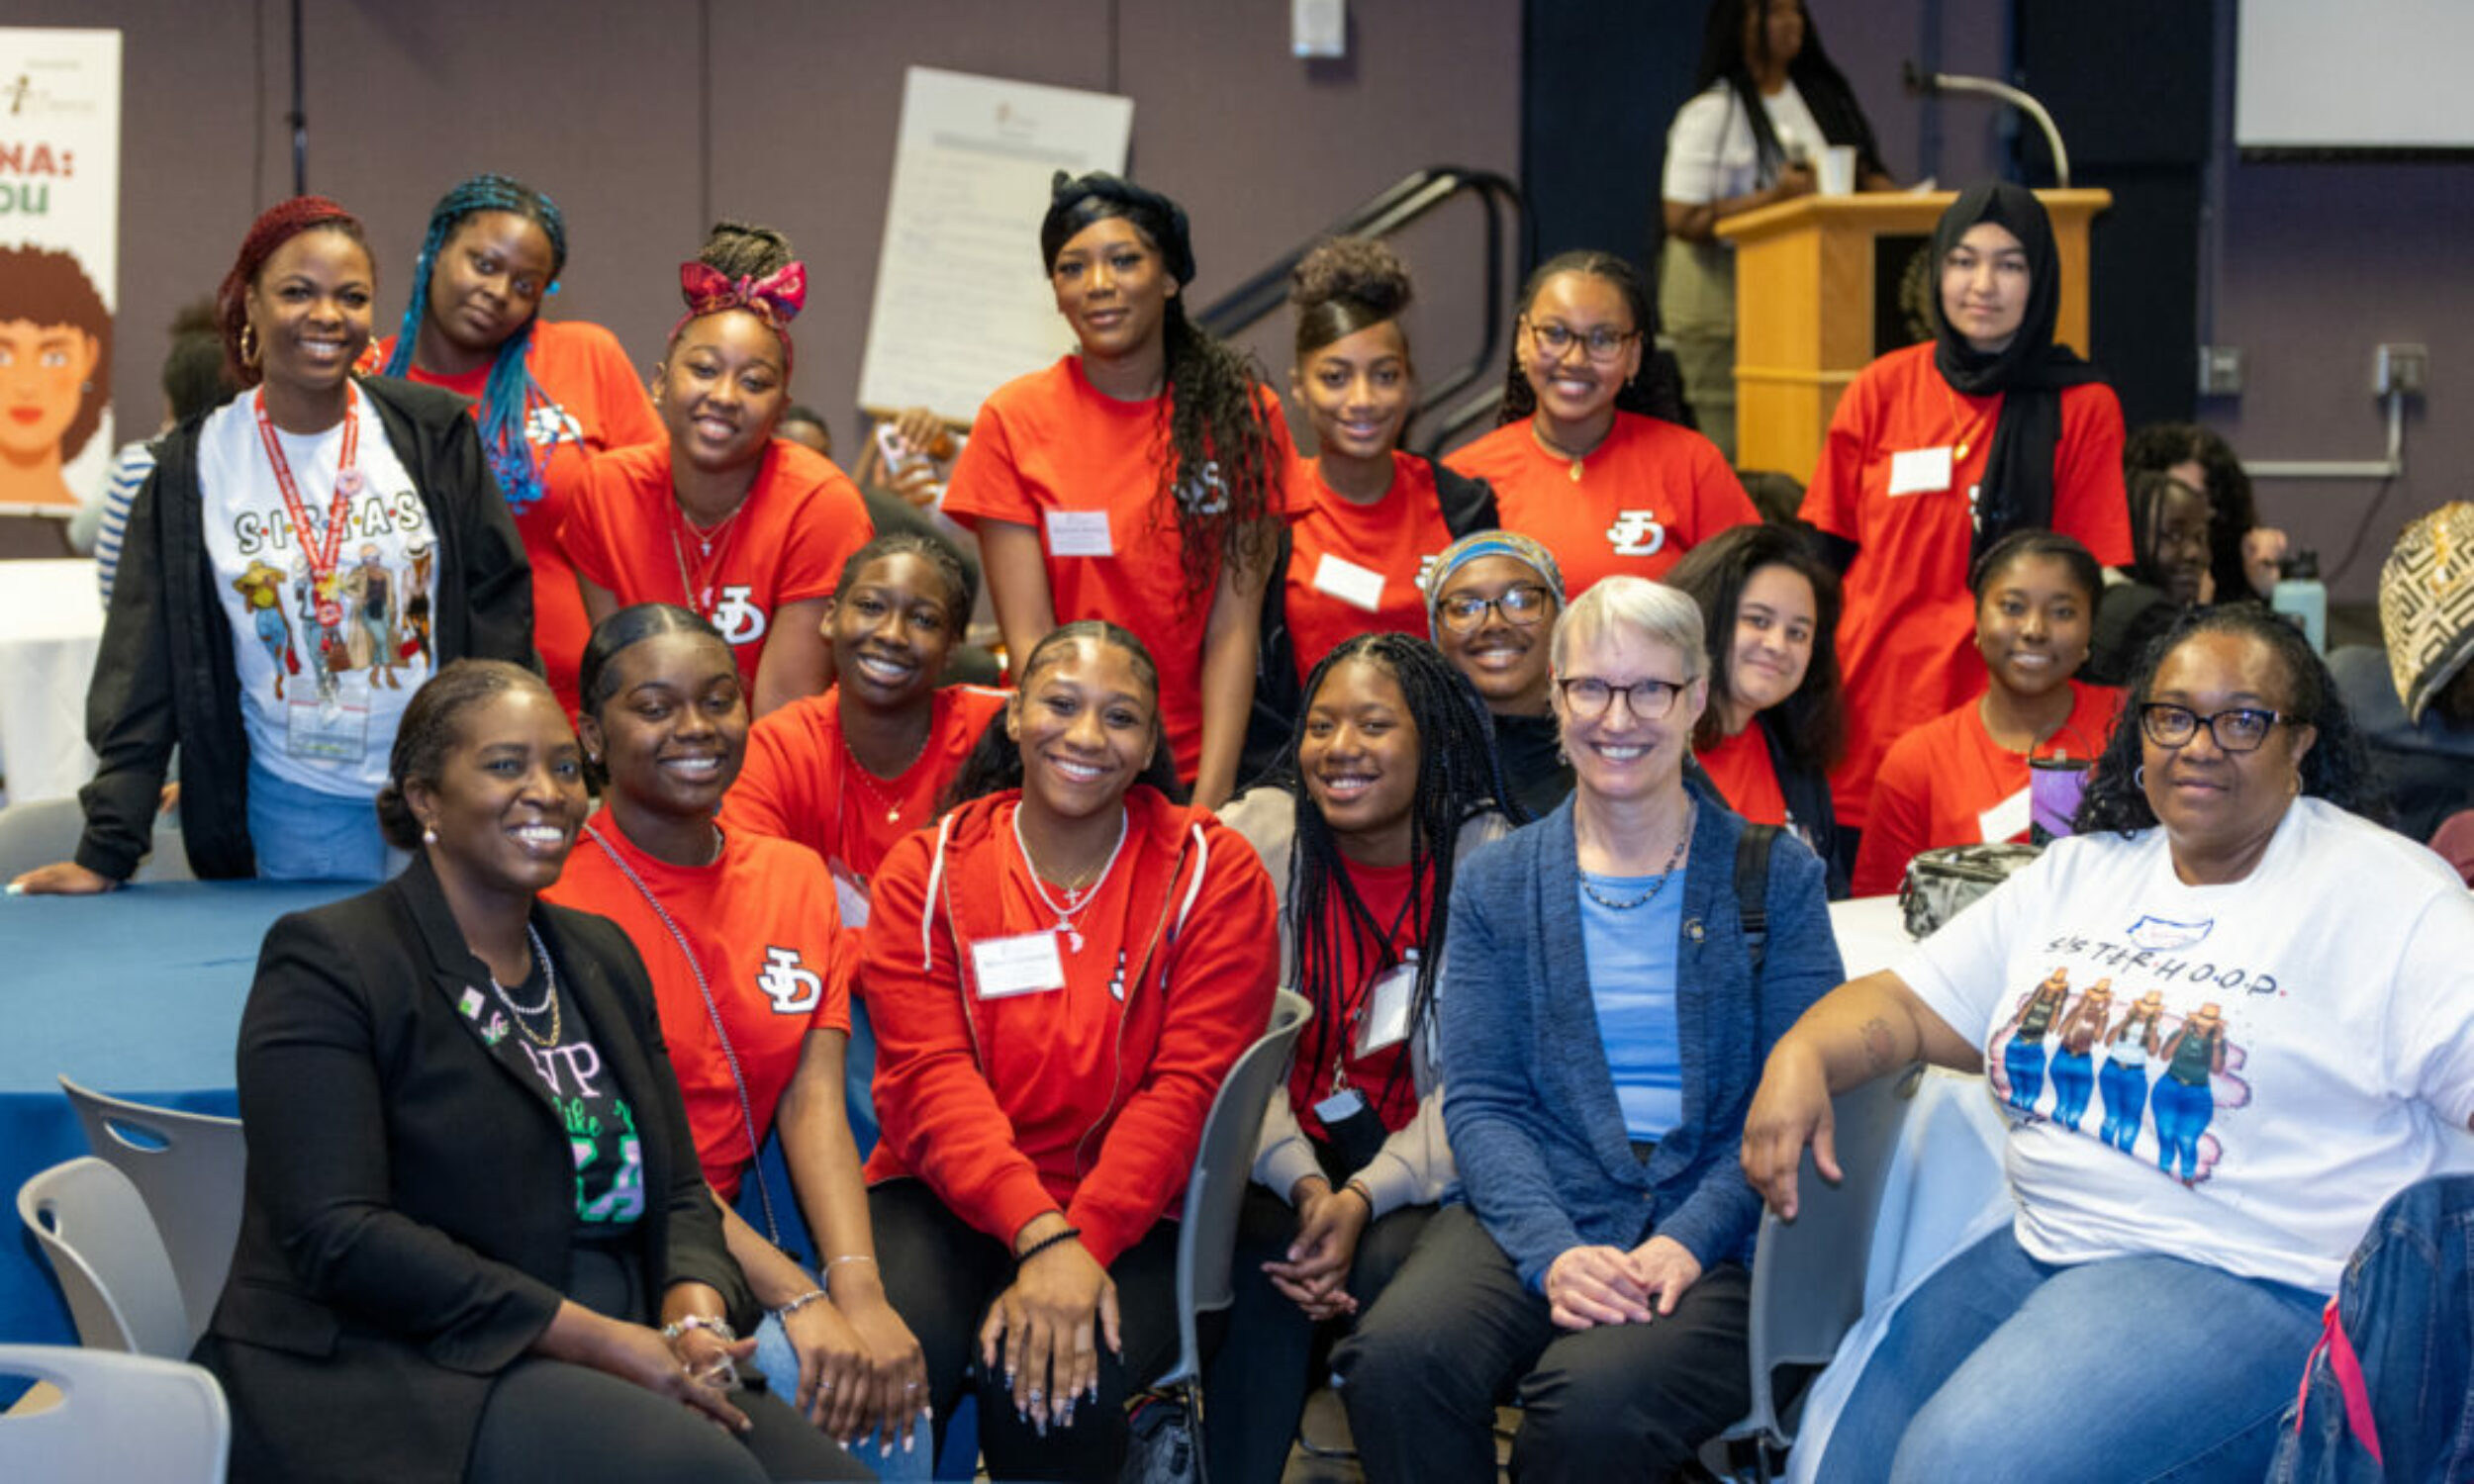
2305,977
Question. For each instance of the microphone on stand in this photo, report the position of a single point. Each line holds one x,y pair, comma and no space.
1921,84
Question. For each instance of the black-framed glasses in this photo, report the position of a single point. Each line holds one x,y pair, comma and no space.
1602,344
1587,698
1524,604
2236,729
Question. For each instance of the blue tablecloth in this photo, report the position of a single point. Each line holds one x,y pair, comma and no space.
136,993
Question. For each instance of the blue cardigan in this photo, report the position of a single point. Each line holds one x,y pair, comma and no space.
1528,1099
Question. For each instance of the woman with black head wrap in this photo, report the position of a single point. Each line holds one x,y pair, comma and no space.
1134,480
1939,451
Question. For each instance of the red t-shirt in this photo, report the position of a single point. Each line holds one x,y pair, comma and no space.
1051,451
798,783
1648,493
761,924
589,402
1940,782
1353,569
1906,637
1741,768
802,520
1384,1077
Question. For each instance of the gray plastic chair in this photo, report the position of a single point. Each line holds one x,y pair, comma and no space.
94,1228
37,832
117,1417
189,1167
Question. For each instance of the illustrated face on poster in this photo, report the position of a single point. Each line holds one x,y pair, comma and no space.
56,362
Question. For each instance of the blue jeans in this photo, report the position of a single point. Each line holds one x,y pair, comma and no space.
2023,1060
780,1363
2074,1078
2126,1102
303,835
2183,1112
2005,1370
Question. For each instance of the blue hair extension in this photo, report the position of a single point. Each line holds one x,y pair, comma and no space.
506,397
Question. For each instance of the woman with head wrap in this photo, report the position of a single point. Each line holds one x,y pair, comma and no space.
1492,599
1939,451
548,393
1137,478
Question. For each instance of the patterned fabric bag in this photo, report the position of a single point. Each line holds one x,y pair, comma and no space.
1942,882
2426,605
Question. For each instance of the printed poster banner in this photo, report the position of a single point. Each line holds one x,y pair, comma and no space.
59,261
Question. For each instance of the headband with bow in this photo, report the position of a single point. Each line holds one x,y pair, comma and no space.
776,298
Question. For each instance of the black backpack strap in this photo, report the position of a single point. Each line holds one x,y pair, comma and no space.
1752,891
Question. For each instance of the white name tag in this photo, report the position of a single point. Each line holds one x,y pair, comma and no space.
1341,1106
1385,1022
1079,533
1920,471
1027,964
2005,819
1358,587
850,894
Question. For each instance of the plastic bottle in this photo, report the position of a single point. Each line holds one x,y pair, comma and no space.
2301,596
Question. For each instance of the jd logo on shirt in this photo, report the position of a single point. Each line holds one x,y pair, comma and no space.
740,621
1635,533
794,989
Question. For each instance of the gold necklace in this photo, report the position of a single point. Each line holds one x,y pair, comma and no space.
1578,456
1962,431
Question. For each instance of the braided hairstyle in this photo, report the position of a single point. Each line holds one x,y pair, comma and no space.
431,726
2232,507
1214,444
277,224
1653,391
996,763
511,386
1458,780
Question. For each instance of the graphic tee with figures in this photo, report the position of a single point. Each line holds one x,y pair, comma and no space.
2240,1074
556,1055
320,704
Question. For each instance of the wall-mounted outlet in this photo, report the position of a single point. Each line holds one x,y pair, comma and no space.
2220,371
2402,370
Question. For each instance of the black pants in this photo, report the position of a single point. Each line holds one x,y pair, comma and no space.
1457,1333
941,1274
1259,1382
552,1419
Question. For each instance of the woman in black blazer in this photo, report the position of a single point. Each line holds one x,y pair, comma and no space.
472,1195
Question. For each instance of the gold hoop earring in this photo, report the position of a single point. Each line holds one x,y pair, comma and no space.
250,349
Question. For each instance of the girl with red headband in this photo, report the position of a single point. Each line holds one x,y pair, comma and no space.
745,528
266,616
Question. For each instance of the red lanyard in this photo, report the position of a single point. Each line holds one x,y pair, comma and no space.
320,553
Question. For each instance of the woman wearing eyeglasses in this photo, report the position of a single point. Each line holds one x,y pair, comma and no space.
2302,972
1489,600
1602,1019
1593,457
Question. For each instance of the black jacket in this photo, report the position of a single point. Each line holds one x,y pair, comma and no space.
166,674
411,1209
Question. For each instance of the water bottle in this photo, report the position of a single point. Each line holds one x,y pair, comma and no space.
2301,596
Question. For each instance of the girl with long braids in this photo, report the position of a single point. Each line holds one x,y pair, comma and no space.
746,528
1136,478
1593,457
1388,782
548,393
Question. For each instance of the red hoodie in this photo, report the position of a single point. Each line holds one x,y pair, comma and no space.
1090,1098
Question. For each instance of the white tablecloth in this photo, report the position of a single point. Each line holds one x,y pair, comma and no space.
50,625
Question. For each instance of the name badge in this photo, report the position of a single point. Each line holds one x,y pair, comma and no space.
326,732
1358,587
1026,964
1385,1022
850,894
2005,820
1078,533
1920,471
1341,1106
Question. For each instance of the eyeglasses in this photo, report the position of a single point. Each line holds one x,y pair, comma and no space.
1588,698
1555,339
2238,729
1523,605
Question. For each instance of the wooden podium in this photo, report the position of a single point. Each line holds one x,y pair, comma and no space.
1817,298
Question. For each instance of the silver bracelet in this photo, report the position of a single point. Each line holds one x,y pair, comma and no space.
719,1326
826,1271
813,1295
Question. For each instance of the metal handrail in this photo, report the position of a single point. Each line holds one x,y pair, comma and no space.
1413,196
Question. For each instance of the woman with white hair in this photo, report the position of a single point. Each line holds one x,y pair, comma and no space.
1604,1018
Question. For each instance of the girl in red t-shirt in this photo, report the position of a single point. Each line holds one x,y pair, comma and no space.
1962,778
1592,458
1776,720
548,395
1136,479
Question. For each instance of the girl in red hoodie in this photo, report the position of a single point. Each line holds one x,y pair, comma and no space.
1059,975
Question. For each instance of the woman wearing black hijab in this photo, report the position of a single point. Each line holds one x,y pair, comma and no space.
1941,449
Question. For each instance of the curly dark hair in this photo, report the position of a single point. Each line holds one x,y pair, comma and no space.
1653,391
2231,509
1345,285
1811,723
431,729
995,762
2336,768
45,286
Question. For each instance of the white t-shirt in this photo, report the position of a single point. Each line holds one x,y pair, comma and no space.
319,709
2343,973
1711,154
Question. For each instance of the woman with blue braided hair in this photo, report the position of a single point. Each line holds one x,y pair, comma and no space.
548,393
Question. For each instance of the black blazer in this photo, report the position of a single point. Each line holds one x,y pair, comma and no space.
409,1210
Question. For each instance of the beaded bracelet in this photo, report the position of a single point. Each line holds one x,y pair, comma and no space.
1058,1237
719,1326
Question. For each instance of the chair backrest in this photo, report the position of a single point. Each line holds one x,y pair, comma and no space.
117,1417
1206,1233
39,832
189,1167
1808,1274
94,1226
